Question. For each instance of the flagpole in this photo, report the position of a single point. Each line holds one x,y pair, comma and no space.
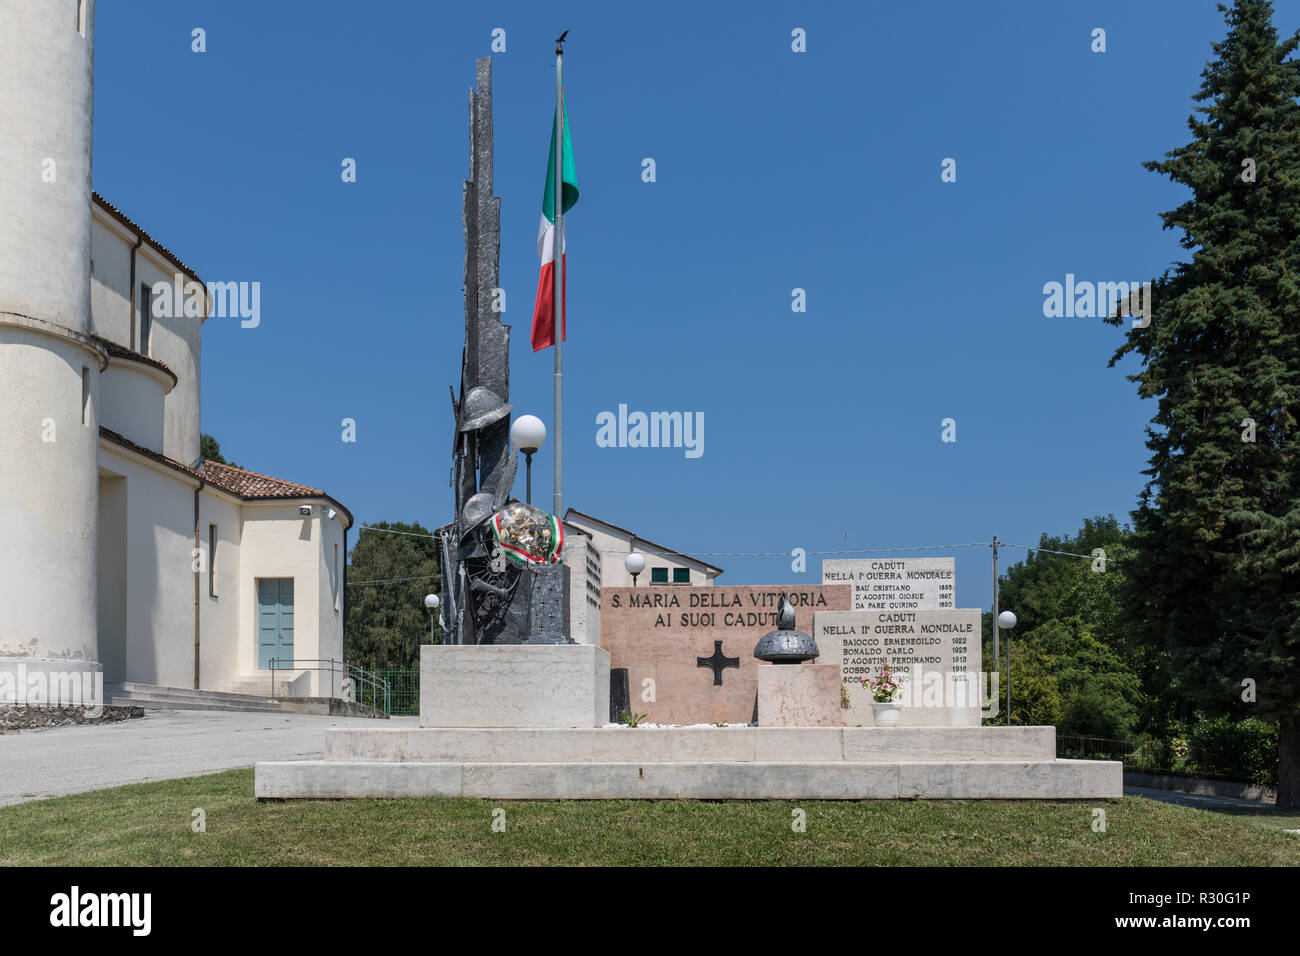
558,275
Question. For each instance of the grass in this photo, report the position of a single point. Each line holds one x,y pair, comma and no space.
150,825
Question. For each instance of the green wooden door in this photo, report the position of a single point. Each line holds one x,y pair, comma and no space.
274,622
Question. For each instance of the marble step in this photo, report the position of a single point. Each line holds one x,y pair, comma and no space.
700,780
697,744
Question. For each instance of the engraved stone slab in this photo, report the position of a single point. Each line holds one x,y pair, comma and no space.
935,653
895,584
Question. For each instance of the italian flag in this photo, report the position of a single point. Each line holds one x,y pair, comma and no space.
544,307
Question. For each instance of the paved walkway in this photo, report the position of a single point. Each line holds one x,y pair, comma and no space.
35,764
1204,801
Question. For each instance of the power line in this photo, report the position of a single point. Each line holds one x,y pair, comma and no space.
418,577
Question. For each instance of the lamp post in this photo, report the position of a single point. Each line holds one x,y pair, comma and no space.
1006,621
529,433
635,564
431,602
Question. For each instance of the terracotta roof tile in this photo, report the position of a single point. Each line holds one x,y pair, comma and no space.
121,351
247,485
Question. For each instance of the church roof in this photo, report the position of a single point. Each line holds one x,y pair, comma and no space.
569,517
246,485
135,227
249,485
121,351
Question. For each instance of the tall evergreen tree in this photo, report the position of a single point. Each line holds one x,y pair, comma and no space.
1218,579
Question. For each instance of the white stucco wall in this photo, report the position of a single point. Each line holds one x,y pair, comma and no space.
220,616
278,542
48,488
176,340
159,576
614,547
46,73
131,401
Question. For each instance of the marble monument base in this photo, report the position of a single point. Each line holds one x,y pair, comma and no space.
704,763
799,695
514,685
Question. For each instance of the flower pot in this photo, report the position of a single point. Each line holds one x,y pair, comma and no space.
886,714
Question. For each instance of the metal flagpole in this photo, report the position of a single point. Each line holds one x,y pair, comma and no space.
558,274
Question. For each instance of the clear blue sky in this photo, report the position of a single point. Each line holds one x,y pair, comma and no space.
775,170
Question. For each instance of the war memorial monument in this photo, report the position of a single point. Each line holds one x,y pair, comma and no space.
755,691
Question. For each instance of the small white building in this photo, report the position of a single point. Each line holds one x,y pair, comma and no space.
124,552
663,566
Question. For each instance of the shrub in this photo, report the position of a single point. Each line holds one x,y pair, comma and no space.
1244,750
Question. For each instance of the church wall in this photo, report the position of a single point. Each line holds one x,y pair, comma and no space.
110,284
278,542
159,576
220,615
131,401
176,341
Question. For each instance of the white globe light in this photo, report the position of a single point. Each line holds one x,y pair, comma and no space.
634,563
1007,620
529,433
431,601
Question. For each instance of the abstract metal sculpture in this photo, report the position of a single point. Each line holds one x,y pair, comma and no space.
487,597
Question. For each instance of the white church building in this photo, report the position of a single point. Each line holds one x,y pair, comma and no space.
124,552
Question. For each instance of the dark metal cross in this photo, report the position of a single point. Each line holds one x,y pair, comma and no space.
718,661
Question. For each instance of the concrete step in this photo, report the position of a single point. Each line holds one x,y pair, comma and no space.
698,780
179,703
129,689
691,744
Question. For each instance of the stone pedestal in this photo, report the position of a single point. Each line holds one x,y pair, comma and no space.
799,695
514,685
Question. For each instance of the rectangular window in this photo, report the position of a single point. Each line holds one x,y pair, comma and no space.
658,575
146,318
334,575
212,560
681,575
81,17
85,395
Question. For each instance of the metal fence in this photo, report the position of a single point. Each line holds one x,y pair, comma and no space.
403,691
1145,756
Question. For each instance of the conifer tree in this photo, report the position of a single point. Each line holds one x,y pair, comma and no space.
1218,577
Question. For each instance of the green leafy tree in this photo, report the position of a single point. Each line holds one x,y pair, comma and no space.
210,449
387,622
1218,581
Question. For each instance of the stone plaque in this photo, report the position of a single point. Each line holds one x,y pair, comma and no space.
661,633
935,653
896,584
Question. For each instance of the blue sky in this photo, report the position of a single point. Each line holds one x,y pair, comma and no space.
775,170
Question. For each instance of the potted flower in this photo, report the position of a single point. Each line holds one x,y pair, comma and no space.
884,690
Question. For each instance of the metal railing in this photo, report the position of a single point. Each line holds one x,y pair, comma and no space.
1144,756
367,687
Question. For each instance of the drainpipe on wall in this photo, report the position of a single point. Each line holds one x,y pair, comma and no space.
202,482
139,241
343,624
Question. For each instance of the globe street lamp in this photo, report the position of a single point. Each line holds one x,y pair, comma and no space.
635,564
529,433
1006,621
431,602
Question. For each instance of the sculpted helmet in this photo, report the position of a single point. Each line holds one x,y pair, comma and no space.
481,407
477,510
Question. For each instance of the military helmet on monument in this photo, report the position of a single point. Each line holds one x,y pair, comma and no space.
481,407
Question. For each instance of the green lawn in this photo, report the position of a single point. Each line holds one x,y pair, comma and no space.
150,824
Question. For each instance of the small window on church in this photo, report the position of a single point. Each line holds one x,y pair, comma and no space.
212,560
681,575
658,575
81,17
146,318
85,395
